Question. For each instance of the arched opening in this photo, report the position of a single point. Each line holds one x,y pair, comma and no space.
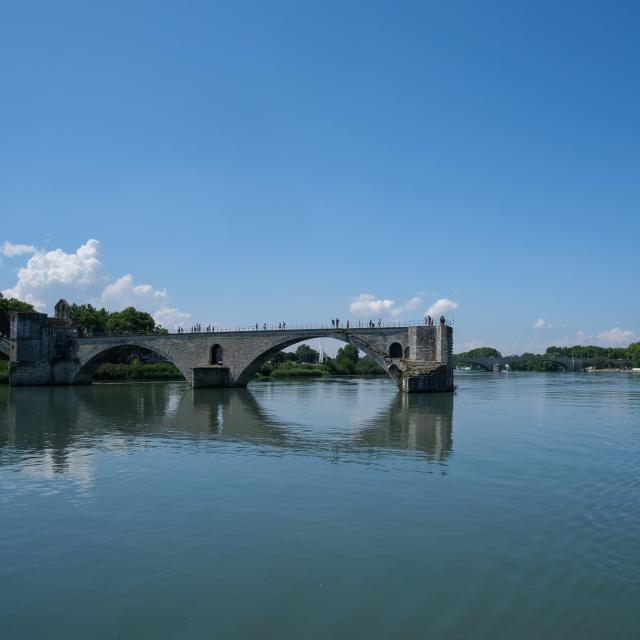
127,363
406,352
395,350
278,360
216,354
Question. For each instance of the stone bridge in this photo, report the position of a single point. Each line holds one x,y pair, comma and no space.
49,351
4,348
567,364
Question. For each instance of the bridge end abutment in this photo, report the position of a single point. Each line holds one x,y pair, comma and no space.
429,368
42,350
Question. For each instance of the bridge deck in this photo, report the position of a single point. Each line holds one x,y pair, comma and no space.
318,330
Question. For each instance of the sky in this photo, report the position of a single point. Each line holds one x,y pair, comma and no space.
241,162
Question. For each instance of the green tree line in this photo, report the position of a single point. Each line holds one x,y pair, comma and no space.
88,319
304,361
536,362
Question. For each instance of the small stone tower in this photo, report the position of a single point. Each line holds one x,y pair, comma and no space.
62,310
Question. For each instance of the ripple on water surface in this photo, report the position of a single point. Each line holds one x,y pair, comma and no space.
329,508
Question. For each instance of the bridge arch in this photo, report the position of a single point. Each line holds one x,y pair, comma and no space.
90,362
558,363
478,363
244,376
395,350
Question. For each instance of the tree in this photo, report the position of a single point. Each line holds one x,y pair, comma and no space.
7,307
347,359
368,366
89,319
633,353
280,358
130,320
483,352
306,355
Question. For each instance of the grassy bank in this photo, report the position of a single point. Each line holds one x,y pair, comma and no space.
111,372
292,370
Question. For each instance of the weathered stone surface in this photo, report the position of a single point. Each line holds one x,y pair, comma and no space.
4,348
46,353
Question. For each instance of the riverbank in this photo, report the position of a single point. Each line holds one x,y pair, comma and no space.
137,372
4,372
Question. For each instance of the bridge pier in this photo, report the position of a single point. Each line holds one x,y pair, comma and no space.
49,351
211,376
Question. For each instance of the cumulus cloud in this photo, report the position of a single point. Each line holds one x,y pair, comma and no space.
442,307
170,318
11,250
615,337
541,323
79,277
367,304
55,274
124,293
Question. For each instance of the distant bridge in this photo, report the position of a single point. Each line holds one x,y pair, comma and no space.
566,364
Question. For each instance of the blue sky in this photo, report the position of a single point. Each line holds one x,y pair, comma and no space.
244,162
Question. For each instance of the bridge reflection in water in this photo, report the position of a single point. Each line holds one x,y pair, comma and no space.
60,420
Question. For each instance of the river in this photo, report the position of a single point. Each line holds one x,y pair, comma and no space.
323,509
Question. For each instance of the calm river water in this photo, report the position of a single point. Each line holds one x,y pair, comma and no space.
323,509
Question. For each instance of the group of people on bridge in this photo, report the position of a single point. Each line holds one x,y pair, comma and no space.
428,320
197,328
335,324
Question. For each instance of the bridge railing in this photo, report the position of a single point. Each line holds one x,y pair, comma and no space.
257,328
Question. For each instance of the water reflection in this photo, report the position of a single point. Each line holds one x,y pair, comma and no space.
61,421
420,423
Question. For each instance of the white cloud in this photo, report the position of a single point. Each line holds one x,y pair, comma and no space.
171,318
615,337
413,304
123,293
541,323
441,307
367,304
79,277
50,275
11,250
